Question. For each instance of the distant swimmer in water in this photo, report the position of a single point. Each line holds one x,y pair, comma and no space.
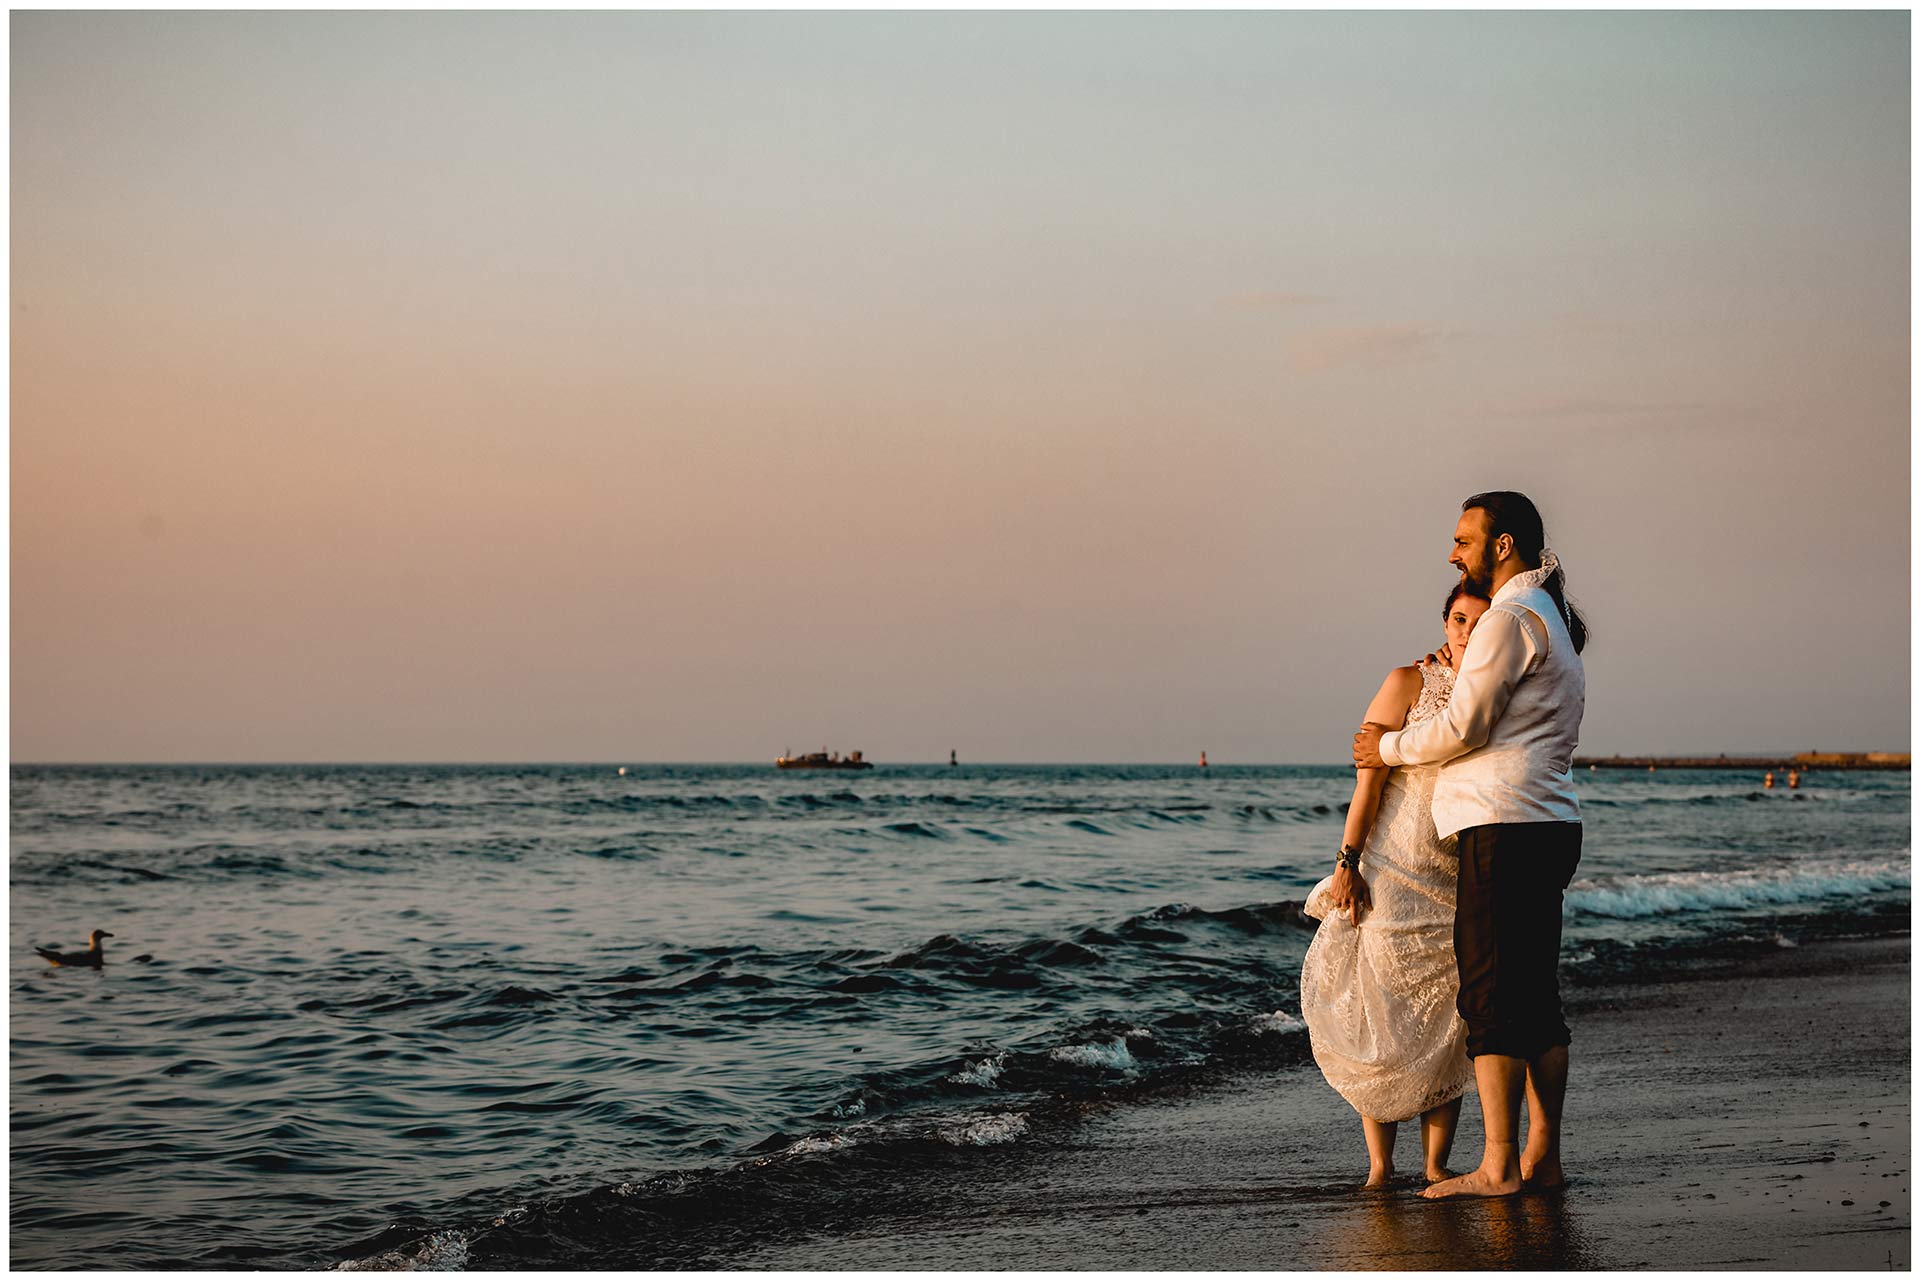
91,957
1768,782
1203,760
1793,778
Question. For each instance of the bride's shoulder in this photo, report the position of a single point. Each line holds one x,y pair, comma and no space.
1398,693
1406,681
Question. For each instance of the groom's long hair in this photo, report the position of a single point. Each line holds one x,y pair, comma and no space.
1514,514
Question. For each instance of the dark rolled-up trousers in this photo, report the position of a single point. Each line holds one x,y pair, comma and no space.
1506,935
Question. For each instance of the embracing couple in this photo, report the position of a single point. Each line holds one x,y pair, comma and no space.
1436,961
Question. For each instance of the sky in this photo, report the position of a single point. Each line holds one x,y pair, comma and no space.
1044,387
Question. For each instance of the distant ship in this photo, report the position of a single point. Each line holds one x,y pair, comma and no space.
824,760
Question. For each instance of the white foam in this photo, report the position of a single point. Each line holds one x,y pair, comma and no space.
1661,894
987,1130
672,1181
1112,1054
856,1107
1278,1021
443,1252
816,1143
985,1073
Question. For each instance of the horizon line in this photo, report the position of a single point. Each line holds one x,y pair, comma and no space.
1748,754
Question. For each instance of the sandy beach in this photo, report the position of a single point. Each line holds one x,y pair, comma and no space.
1753,1115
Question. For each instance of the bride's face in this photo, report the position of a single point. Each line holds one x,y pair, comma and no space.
1461,618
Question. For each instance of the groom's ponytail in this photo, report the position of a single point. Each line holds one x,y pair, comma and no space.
1556,586
1514,514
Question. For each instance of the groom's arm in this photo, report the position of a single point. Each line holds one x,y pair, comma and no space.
1500,653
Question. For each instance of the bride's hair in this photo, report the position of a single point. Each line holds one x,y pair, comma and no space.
1514,514
1461,588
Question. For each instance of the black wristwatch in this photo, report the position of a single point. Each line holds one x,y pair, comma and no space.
1349,859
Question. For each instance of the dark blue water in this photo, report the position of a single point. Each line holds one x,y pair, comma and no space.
349,1009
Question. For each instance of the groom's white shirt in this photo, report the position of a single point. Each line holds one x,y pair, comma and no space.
1508,733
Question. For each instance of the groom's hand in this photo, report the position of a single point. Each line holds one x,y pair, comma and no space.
1366,746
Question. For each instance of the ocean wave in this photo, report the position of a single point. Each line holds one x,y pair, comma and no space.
440,1252
986,1131
984,1074
815,1144
1279,1022
1667,893
1111,1055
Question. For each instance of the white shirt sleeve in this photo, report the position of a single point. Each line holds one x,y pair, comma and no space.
1502,651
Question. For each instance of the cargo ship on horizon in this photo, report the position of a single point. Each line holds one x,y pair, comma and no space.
824,759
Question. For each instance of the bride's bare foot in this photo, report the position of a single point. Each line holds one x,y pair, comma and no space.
1475,1183
1378,1176
1438,1174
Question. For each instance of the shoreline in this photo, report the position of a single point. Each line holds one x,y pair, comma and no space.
1699,1109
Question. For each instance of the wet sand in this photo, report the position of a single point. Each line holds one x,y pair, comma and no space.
1754,1116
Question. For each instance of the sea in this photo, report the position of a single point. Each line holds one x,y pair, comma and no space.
472,1016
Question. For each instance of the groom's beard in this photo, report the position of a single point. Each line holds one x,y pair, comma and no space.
1478,576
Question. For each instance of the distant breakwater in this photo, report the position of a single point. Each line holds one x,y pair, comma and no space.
1800,761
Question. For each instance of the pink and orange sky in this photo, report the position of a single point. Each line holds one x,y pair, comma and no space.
691,386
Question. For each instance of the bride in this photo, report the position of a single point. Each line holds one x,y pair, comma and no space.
1377,988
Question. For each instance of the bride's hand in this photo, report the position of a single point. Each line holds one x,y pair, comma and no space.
1350,893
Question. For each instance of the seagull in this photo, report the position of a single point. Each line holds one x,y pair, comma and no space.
90,957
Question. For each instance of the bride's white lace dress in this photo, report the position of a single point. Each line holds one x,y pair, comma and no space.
1378,998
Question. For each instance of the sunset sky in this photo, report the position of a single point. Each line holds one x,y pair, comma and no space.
1091,387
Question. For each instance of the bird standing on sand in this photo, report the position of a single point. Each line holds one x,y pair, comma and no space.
91,957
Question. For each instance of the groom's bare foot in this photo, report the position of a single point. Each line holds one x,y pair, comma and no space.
1475,1183
1544,1173
1540,1166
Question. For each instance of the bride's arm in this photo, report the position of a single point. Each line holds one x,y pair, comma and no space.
1389,707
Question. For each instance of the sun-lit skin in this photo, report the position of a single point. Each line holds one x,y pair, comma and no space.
1460,623
1485,564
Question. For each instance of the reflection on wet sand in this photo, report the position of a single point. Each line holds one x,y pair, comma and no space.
1401,1230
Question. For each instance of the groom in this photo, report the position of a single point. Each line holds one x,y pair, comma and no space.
1507,738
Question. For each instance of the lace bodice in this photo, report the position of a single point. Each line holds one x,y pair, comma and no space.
1436,687
1403,830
